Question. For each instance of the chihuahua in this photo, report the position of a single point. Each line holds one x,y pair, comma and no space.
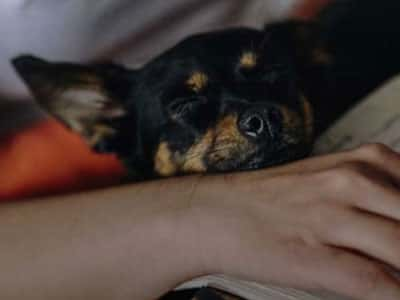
236,99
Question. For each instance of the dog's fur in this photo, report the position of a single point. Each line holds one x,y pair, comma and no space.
236,99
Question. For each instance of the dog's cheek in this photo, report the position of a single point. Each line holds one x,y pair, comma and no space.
169,163
296,127
165,163
194,159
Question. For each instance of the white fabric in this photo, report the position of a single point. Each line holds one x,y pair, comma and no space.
132,31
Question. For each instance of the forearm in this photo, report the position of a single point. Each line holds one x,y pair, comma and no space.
122,243
312,224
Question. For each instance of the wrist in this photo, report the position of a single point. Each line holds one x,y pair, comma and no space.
177,225
206,223
225,213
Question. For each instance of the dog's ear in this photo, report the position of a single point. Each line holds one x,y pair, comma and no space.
88,99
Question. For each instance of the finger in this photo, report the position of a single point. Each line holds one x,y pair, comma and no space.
378,155
349,274
382,199
362,186
369,234
385,159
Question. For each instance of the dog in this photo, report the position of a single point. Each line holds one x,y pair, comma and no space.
231,100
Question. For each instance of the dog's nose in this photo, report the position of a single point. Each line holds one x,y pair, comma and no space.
261,122
252,125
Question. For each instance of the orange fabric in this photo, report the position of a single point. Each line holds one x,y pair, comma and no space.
47,158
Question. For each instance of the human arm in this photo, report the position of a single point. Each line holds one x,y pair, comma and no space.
120,243
288,225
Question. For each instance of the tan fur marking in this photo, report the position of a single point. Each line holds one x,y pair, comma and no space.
248,60
164,164
219,144
197,81
290,118
227,128
194,158
292,122
229,142
308,117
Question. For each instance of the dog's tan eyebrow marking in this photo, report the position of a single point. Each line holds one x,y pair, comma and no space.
164,163
248,60
197,81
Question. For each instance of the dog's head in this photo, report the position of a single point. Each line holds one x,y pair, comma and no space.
220,101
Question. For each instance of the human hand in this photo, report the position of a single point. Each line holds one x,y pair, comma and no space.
323,223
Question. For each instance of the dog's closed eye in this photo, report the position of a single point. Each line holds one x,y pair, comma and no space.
181,107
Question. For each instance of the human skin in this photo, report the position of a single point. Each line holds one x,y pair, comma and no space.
321,223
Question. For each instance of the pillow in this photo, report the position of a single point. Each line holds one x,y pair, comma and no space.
47,158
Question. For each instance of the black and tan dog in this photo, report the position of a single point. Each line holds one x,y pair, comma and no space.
236,99
212,103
